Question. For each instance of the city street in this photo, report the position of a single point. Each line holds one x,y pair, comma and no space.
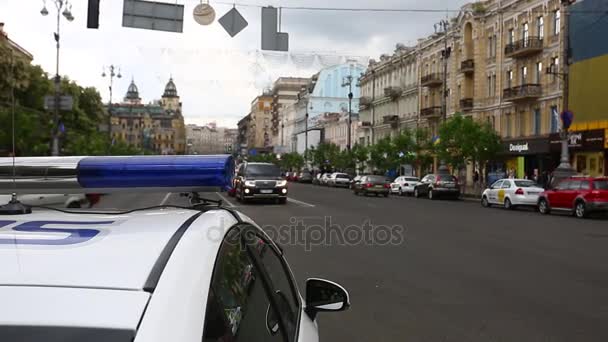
461,272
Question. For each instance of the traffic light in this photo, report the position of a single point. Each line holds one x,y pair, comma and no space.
93,14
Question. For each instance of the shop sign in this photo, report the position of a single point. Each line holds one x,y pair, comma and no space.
593,140
519,147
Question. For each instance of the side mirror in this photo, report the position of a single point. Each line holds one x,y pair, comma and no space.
324,295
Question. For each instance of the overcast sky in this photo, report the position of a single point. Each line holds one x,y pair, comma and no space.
217,76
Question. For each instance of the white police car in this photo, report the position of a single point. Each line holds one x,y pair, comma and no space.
160,274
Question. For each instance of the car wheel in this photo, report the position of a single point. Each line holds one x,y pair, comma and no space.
508,204
400,191
416,194
579,210
543,207
484,202
431,194
74,205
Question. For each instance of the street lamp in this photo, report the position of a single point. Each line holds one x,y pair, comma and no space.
67,13
348,82
111,73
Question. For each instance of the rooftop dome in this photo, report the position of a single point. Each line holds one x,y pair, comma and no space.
170,89
132,92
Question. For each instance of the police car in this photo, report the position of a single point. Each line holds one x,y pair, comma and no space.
199,273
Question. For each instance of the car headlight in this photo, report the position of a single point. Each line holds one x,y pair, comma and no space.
282,183
250,183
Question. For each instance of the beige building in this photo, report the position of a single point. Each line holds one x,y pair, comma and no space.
389,95
18,51
255,129
284,94
335,129
210,139
157,127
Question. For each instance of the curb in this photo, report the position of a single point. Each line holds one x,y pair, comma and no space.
470,199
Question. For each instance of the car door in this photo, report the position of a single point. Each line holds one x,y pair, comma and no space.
505,189
427,185
574,188
557,195
359,184
493,192
242,304
397,184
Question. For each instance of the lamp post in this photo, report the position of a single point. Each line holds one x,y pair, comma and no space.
348,82
111,73
67,13
443,27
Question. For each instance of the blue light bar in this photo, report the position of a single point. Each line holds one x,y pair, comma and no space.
156,172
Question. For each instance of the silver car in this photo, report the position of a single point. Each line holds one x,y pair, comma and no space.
404,185
339,179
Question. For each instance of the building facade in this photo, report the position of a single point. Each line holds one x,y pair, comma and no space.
389,95
210,139
255,130
284,94
17,49
157,127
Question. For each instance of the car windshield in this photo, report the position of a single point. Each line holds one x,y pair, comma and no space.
600,184
376,179
443,178
526,184
266,170
343,176
410,179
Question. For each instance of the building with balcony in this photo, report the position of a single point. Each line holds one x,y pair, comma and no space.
210,139
285,92
255,129
389,95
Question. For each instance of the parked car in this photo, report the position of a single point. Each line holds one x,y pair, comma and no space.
60,200
339,179
404,185
377,185
511,193
305,177
325,178
316,180
434,186
353,181
579,195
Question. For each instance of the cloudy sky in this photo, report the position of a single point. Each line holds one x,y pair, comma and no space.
217,76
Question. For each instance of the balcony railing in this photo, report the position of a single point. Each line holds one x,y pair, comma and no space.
467,66
431,80
389,119
523,92
429,112
466,104
393,92
365,101
524,47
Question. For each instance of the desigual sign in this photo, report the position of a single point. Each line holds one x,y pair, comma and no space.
519,147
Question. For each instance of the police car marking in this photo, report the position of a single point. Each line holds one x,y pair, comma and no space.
77,235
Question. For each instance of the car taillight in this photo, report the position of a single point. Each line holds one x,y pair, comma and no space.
519,191
369,185
387,186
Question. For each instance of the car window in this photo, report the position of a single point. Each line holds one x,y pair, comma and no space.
600,184
281,282
525,184
574,185
411,179
563,185
447,178
497,184
506,185
269,170
585,185
342,176
238,306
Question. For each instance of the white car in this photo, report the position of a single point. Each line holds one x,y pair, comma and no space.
324,179
205,273
404,185
510,193
339,179
64,200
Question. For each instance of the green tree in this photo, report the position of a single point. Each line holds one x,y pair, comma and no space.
383,156
360,154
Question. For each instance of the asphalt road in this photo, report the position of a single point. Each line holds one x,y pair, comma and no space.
451,270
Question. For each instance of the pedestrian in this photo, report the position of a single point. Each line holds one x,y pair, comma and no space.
476,177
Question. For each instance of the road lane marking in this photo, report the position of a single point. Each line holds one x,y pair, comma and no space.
166,199
289,199
225,200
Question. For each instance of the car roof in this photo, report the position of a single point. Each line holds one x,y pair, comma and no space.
122,255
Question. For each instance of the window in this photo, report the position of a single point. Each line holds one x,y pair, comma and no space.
506,185
554,119
574,185
524,75
600,184
490,45
508,125
490,86
525,33
539,72
563,185
555,67
556,22
238,307
585,185
537,121
509,78
511,36
494,46
493,85
497,185
540,27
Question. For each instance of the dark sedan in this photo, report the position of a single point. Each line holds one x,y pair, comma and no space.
434,186
377,185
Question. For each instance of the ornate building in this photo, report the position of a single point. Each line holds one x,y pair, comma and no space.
157,127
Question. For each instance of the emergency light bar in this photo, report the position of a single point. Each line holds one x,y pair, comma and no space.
40,175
